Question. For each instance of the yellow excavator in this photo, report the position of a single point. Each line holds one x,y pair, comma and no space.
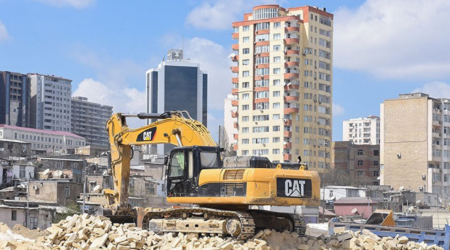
219,192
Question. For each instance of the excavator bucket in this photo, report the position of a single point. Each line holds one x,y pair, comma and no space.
382,217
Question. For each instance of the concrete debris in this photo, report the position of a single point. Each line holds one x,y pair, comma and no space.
90,232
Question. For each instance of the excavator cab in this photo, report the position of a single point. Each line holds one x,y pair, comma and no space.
184,166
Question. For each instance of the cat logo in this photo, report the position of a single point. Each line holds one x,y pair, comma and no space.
294,188
147,135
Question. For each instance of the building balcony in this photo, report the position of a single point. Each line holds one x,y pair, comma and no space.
292,64
235,69
262,43
262,66
288,122
257,89
287,134
235,58
287,157
292,52
234,114
235,125
291,86
290,110
291,98
234,102
287,145
235,147
291,75
236,136
235,46
259,100
235,80
436,123
261,77
264,54
291,40
260,32
292,29
235,36
234,91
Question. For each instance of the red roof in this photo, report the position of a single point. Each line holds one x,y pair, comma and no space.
33,130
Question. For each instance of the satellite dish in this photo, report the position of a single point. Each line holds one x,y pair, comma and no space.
354,210
231,55
401,188
96,188
46,171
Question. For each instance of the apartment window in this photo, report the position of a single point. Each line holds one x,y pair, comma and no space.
276,128
67,191
245,28
245,73
376,173
262,129
376,163
276,36
276,59
245,130
276,139
15,135
14,215
276,70
276,94
245,84
276,48
245,62
276,82
276,151
245,96
360,152
276,105
360,162
276,117
277,24
245,141
245,51
22,172
376,152
245,39
245,118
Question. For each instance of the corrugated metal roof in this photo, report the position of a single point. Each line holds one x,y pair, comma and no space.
355,200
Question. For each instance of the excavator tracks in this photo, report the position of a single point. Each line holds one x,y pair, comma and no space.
240,225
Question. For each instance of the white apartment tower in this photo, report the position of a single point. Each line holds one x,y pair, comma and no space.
50,102
362,131
283,84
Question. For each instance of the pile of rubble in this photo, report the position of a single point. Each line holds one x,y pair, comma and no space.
89,232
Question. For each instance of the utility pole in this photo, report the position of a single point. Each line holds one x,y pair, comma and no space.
84,189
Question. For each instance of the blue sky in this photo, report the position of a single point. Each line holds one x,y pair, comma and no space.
381,47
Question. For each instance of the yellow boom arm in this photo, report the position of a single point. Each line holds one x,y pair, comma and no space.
172,128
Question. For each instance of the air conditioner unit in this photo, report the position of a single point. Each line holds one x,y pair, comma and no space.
35,187
421,188
423,177
285,120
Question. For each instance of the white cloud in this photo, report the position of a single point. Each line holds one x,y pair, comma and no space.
3,32
221,13
338,110
213,58
399,39
435,89
70,3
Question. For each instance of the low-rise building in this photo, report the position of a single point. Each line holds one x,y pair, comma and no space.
334,193
43,141
61,168
54,192
361,162
14,148
351,206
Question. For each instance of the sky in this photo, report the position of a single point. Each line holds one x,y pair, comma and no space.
382,48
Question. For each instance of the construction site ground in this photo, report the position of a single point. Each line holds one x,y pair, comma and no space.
90,232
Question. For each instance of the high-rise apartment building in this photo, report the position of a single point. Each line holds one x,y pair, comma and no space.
415,143
14,99
89,121
177,84
50,102
283,84
363,131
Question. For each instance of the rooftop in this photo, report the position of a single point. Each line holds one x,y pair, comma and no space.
16,141
354,200
33,130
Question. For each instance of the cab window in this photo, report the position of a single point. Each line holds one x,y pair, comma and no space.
177,165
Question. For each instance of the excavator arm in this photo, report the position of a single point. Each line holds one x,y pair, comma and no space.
174,127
